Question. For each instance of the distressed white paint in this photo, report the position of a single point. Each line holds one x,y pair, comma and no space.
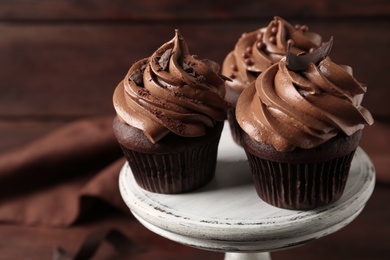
227,215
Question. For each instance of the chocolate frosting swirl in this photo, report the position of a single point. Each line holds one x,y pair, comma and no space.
288,109
256,51
171,91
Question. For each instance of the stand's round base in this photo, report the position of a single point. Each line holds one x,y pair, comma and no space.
228,216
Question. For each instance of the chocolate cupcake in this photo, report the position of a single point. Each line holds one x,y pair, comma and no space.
170,112
301,123
255,51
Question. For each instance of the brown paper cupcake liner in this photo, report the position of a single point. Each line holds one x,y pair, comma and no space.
300,186
234,126
177,172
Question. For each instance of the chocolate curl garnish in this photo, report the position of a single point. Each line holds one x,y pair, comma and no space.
225,78
301,62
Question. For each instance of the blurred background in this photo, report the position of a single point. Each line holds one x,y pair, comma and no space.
61,60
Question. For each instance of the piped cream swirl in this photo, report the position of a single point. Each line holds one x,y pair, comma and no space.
171,91
255,51
288,109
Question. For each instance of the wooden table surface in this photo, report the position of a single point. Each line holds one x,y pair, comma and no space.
61,60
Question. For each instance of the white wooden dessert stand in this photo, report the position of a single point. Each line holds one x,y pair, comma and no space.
228,216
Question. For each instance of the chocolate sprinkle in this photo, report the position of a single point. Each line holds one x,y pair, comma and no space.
260,45
301,62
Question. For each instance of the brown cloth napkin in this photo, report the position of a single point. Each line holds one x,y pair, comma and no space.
59,178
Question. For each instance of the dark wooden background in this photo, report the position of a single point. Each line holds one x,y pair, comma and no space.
61,60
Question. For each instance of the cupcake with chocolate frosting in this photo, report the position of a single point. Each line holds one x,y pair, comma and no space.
301,122
255,51
170,112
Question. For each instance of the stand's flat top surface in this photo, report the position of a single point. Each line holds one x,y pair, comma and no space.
227,214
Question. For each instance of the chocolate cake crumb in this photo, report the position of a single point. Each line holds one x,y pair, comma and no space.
143,67
164,59
137,77
187,68
201,79
143,92
303,92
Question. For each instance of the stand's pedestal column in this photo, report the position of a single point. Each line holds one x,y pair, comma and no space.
248,256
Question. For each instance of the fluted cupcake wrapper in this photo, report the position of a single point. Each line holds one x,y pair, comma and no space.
234,126
300,186
174,172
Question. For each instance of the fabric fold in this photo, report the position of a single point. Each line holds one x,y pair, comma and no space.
43,183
